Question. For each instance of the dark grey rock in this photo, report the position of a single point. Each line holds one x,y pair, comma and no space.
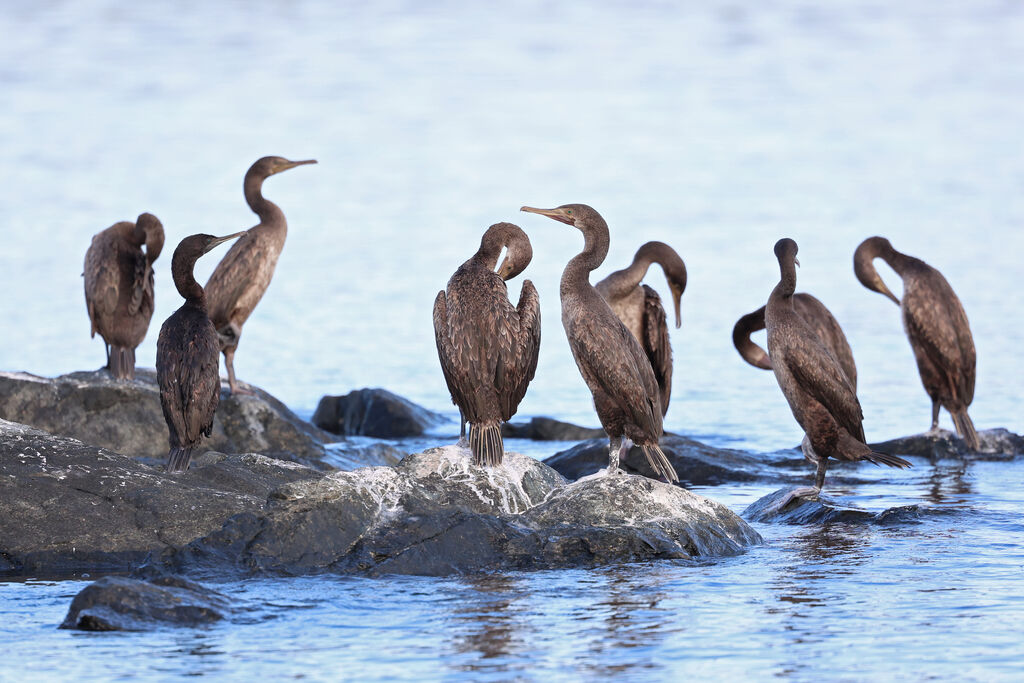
696,463
996,444
373,412
125,416
547,429
820,510
116,603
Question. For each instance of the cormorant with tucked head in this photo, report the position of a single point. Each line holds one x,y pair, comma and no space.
187,351
640,310
819,393
936,325
488,348
119,288
243,275
615,368
819,319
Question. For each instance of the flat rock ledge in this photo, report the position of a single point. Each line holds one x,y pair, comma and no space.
66,508
117,603
125,416
823,510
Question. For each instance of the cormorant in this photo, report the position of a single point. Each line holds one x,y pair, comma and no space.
488,348
609,357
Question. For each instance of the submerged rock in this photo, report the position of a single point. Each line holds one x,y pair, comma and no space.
820,509
125,416
547,429
373,412
995,444
116,603
696,463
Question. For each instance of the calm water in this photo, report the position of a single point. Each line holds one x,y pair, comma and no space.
716,127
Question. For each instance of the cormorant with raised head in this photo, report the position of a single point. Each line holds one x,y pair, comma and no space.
488,348
640,310
239,281
187,352
119,288
819,393
615,368
936,325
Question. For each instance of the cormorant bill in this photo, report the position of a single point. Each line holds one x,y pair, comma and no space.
187,353
615,368
239,281
488,348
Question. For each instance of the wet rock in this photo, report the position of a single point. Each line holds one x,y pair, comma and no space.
67,507
116,603
373,412
820,510
996,444
346,455
125,416
697,464
547,429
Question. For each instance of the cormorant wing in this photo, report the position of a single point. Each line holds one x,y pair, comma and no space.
657,344
819,374
514,376
238,282
102,279
938,327
446,352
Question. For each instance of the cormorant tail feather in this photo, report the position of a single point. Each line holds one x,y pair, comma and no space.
178,459
965,428
121,362
659,463
486,443
879,458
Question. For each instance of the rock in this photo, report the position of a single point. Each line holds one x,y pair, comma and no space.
346,455
996,444
117,603
547,429
820,510
67,507
696,464
373,412
125,416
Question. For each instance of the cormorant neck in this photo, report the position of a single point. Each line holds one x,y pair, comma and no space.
268,211
595,250
182,267
622,282
787,281
751,352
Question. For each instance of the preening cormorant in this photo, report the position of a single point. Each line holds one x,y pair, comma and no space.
187,353
238,282
936,325
640,310
488,348
609,357
819,393
819,319
119,288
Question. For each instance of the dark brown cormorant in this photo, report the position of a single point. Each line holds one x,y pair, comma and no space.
609,357
187,354
243,275
488,348
119,287
819,393
937,327
640,310
818,318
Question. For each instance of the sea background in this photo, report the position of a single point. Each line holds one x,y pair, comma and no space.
716,127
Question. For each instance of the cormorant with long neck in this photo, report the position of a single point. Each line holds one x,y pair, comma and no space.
609,357
187,367
936,325
119,288
640,310
819,319
239,281
819,392
488,348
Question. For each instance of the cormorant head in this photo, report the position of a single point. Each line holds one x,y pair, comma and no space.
576,215
150,231
519,251
672,264
786,249
268,166
864,266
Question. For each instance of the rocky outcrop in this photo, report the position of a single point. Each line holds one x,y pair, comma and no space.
996,444
696,463
373,412
66,507
821,509
547,429
116,603
125,416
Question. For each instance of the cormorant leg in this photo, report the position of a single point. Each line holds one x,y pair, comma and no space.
819,477
463,441
935,416
229,362
106,346
614,446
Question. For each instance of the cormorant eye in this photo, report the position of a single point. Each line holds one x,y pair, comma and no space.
568,211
